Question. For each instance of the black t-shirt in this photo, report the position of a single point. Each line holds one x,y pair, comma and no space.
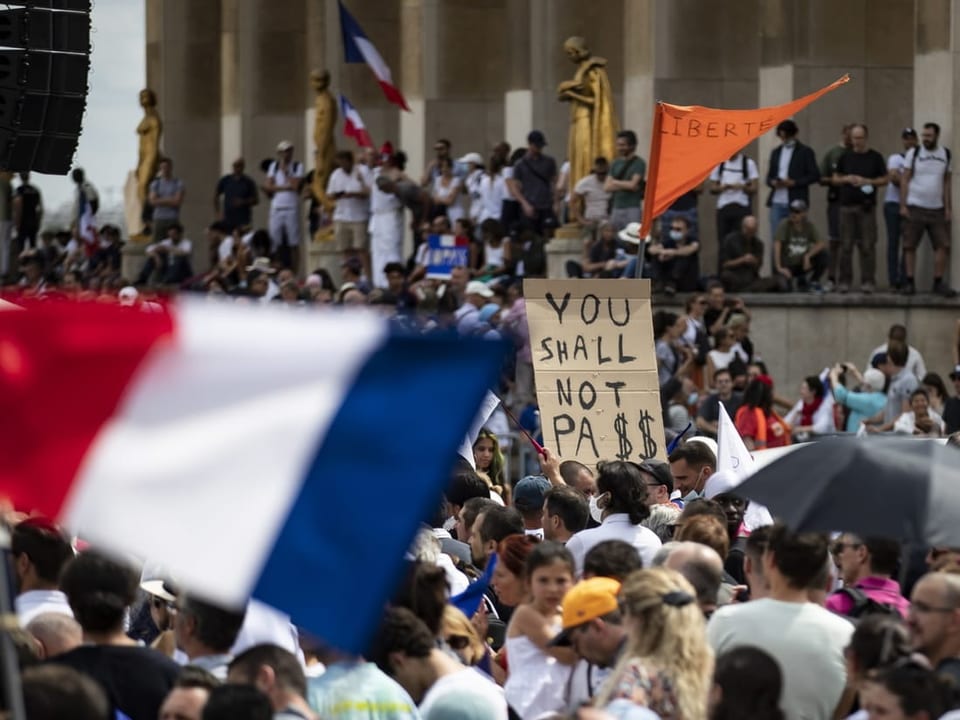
234,188
869,164
687,201
710,407
136,679
536,175
29,204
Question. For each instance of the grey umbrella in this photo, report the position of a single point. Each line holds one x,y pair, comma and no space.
896,487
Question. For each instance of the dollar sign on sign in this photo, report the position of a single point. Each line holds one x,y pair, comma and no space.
649,444
620,427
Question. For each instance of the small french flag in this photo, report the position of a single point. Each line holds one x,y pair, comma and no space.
353,126
357,48
254,452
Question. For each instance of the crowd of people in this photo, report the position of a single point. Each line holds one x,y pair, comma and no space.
629,590
635,590
505,209
706,358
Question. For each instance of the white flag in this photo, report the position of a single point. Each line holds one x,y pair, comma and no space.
734,459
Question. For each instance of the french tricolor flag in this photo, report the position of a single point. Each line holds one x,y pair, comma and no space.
287,456
353,126
357,48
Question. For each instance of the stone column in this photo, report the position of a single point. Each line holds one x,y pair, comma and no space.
936,99
184,69
639,76
522,35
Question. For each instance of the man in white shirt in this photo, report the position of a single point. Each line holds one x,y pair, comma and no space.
925,200
386,225
406,651
915,363
169,258
806,640
39,550
591,201
891,208
734,182
619,506
284,177
347,185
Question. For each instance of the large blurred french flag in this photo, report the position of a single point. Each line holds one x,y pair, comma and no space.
289,456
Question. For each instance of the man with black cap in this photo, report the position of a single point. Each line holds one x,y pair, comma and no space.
799,253
528,496
659,481
891,208
534,177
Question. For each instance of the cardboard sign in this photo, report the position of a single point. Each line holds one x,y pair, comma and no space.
444,253
596,369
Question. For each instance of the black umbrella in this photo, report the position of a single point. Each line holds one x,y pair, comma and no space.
895,487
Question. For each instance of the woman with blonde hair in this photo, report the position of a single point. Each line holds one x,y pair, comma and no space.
667,664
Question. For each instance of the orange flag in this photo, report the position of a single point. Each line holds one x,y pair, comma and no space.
689,141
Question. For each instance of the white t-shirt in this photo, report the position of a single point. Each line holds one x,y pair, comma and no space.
493,191
615,527
915,363
926,181
894,163
780,195
595,198
225,248
733,175
285,199
476,697
349,209
36,602
183,245
805,639
380,201
472,184
454,209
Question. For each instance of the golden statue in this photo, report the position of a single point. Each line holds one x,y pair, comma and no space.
149,131
593,126
323,126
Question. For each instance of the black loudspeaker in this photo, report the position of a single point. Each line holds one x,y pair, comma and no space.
44,63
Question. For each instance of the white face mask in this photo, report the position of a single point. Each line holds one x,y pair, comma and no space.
596,512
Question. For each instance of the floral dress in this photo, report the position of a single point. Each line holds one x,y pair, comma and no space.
648,686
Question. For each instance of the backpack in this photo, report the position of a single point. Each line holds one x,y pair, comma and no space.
913,161
743,169
864,605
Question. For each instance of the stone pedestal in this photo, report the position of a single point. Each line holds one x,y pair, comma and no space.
324,255
567,244
134,258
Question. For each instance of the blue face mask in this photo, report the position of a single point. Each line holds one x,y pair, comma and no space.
676,235
692,398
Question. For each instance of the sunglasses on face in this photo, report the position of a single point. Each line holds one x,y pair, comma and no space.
161,604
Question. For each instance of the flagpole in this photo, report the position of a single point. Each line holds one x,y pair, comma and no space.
9,664
651,189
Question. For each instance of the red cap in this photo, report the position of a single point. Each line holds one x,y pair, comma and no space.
766,380
386,148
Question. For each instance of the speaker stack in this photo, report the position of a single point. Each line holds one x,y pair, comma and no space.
44,63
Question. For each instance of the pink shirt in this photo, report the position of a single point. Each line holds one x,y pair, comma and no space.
883,590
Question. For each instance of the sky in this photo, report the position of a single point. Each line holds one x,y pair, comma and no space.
108,143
